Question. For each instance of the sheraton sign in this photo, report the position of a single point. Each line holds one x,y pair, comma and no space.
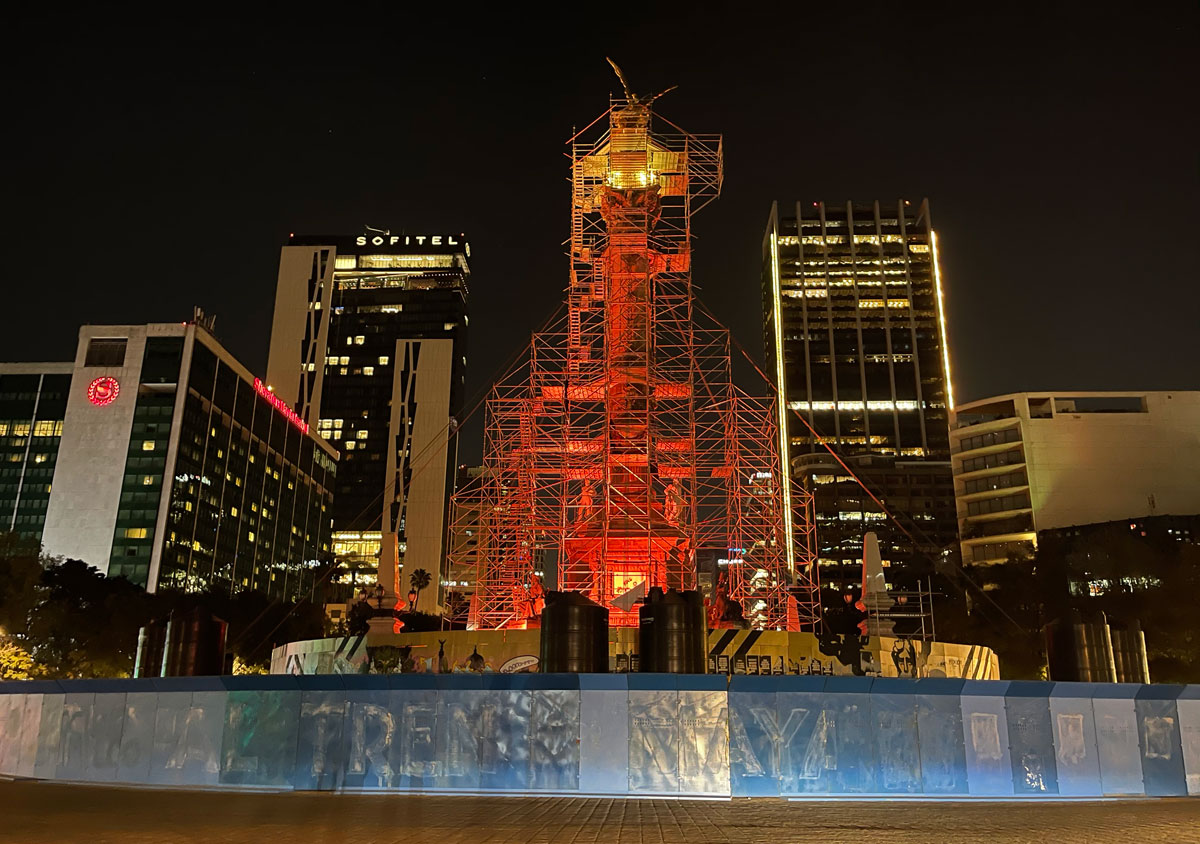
280,405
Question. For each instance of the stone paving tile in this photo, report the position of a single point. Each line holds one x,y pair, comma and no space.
32,812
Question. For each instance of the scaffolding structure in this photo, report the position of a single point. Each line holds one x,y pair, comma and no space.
621,451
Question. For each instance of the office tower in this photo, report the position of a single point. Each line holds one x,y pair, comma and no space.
33,400
179,469
1027,463
855,335
369,345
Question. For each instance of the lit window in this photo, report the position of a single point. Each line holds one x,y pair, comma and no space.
233,511
135,533
368,370
349,341
343,360
48,428
147,480
147,445
40,458
449,326
359,340
362,435
250,535
331,360
20,429
919,248
350,445
337,423
383,360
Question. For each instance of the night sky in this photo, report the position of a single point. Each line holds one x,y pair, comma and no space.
158,165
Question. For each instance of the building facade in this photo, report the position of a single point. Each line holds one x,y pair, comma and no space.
1031,462
855,337
178,469
369,345
33,402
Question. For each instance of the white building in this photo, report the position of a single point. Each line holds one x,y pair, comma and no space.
1028,462
368,344
174,467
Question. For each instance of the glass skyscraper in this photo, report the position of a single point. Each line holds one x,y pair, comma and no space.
854,329
33,401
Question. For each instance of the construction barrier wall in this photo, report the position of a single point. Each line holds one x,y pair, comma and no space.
729,652
615,734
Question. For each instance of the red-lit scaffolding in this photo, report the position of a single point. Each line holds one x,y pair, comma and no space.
621,451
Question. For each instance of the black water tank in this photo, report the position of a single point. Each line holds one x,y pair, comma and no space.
672,634
195,644
574,635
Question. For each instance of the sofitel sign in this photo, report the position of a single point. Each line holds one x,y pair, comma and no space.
407,239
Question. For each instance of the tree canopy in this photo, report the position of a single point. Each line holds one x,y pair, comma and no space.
74,622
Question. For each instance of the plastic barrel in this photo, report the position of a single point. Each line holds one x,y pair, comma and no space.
195,644
574,635
671,632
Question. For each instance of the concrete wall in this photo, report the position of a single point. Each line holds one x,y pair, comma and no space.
93,451
637,734
1099,467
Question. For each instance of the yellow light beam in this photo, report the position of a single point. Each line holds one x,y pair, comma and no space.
937,280
781,407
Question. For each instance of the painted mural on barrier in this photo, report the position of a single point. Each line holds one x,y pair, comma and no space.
789,736
730,652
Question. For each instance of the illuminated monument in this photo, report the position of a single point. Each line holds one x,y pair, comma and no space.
621,450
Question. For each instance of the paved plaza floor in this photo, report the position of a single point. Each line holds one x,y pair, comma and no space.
51,812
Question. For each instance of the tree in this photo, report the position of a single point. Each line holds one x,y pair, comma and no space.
418,580
15,661
21,566
85,624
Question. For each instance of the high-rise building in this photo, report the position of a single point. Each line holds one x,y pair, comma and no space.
1026,463
33,401
369,345
855,334
177,468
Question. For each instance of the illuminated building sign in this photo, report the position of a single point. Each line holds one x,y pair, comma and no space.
407,239
280,405
103,391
